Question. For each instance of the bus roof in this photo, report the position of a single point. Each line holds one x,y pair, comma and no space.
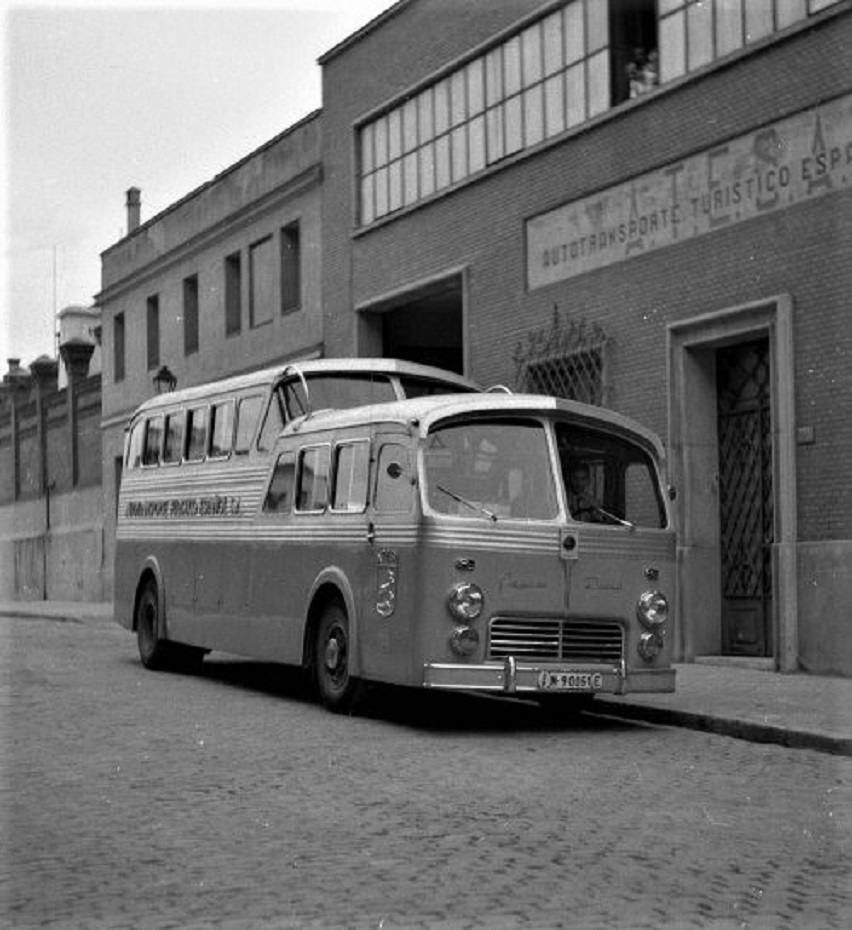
426,412
266,377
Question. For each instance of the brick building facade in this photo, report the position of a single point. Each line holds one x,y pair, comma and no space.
643,205
505,197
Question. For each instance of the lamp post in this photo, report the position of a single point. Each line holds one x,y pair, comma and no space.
164,380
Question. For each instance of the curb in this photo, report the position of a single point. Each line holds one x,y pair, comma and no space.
64,617
727,726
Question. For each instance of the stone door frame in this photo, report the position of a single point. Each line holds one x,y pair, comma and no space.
693,444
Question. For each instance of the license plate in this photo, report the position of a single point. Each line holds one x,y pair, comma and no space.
570,681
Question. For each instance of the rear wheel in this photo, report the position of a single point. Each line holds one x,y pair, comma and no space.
332,670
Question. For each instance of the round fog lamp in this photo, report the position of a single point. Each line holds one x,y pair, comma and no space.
464,641
650,646
652,609
465,601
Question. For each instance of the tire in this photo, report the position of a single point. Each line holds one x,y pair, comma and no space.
338,689
155,652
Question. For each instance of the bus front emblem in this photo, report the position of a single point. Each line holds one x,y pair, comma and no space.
387,568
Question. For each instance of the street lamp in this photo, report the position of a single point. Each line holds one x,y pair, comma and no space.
164,380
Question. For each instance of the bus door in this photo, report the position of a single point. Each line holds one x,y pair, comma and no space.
389,580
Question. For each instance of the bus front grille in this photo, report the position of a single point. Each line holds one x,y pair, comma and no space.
555,640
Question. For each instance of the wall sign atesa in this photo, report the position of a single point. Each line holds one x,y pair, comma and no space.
782,164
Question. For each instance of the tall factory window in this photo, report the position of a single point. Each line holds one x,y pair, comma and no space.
554,74
153,326
190,314
566,68
694,33
118,348
261,282
233,293
291,268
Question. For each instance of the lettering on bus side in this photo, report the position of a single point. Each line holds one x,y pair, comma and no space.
177,507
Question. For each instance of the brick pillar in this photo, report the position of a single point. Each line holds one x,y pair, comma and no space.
76,354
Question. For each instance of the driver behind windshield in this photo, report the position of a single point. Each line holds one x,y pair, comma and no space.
581,502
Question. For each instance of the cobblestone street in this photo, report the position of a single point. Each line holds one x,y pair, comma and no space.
136,799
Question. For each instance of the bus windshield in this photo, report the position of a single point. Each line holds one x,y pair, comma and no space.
608,479
496,469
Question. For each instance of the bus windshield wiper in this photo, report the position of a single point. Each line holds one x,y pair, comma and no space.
614,518
473,506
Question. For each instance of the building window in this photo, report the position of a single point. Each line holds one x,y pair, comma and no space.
694,33
153,321
261,282
190,314
233,294
118,348
553,75
557,73
291,268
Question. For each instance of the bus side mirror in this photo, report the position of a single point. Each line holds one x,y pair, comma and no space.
672,492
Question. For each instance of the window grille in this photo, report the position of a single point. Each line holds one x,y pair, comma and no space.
577,376
566,359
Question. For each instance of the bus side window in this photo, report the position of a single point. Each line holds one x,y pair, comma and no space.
153,441
351,466
134,447
247,414
273,422
279,497
173,442
394,492
196,432
312,495
221,429
642,505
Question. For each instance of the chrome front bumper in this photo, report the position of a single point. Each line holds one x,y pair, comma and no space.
513,677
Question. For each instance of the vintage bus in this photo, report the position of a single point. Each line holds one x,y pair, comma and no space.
492,542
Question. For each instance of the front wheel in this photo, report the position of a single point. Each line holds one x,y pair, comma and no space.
337,688
155,652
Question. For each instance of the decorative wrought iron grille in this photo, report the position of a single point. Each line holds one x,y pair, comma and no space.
566,359
745,472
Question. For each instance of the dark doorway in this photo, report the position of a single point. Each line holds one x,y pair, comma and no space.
427,327
745,497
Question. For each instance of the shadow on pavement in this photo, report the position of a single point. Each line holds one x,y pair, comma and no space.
433,711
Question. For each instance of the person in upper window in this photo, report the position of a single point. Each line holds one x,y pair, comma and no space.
581,502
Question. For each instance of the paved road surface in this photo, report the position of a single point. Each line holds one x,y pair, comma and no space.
136,799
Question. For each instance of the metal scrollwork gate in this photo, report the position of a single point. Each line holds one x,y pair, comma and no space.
745,497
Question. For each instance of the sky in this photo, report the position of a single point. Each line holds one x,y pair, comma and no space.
161,96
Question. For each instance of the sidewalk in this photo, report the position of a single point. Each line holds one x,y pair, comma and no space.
801,711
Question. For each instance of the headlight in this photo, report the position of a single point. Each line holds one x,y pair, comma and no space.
652,609
465,601
464,640
650,645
